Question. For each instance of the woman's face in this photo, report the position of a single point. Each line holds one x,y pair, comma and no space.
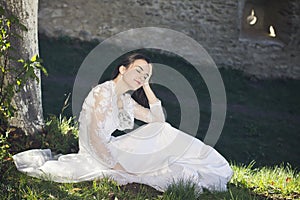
136,74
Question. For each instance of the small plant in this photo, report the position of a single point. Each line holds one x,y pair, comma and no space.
14,72
4,154
61,135
61,132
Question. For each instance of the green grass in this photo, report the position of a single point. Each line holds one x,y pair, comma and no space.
247,183
277,181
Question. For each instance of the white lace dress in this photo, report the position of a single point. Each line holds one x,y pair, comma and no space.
155,154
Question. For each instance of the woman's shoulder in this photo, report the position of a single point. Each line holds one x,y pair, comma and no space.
103,87
101,92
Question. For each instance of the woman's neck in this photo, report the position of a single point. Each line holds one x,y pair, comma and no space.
120,86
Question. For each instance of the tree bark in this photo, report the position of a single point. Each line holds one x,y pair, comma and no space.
29,114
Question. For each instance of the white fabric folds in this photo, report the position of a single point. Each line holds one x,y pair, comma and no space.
155,154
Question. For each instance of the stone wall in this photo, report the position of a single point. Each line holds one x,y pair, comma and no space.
215,24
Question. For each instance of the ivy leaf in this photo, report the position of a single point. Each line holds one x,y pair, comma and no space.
7,45
34,58
21,61
44,71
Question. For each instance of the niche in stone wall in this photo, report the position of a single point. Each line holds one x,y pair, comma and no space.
265,21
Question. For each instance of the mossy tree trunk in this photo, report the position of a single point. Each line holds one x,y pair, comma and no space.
29,114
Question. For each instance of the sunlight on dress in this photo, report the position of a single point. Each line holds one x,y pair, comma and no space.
155,154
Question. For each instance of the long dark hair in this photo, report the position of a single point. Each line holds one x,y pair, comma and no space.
138,95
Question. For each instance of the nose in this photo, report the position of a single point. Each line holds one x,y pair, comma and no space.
142,78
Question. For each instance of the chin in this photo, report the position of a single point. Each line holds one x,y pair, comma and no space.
136,88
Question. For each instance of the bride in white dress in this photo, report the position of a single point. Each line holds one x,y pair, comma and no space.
155,154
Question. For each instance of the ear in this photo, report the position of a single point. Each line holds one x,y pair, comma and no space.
122,69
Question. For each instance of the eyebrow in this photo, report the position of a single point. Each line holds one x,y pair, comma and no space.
140,68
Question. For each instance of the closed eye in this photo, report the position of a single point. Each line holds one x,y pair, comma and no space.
139,69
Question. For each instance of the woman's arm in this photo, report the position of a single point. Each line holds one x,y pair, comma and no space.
147,89
97,109
150,94
155,113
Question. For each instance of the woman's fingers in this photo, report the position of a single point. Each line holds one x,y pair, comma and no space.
150,74
150,69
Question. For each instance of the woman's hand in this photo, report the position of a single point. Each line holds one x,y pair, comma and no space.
150,74
147,89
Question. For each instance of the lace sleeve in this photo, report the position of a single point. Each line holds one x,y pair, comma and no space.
154,114
98,127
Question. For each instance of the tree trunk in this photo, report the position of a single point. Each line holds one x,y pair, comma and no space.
29,114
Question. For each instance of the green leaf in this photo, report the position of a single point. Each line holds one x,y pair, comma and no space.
44,71
34,58
21,61
8,23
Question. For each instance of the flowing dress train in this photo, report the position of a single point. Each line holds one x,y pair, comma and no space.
155,154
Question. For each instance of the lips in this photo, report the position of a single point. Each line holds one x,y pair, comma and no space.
138,82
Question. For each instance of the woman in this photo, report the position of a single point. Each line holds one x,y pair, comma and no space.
155,154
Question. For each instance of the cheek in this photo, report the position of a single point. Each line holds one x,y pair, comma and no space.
130,75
